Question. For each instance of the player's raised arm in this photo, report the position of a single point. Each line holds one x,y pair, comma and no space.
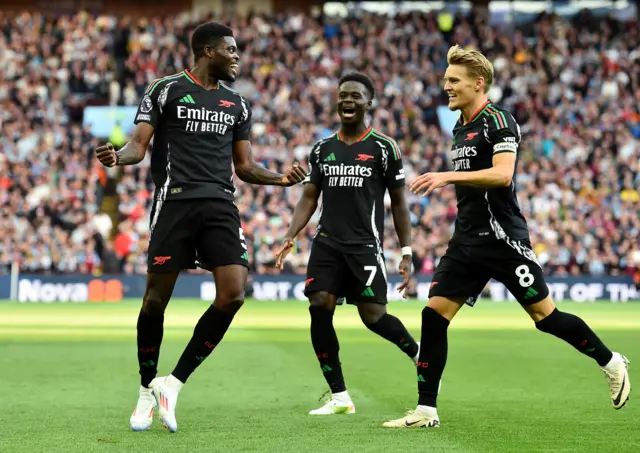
503,135
500,174
130,154
146,120
248,169
251,172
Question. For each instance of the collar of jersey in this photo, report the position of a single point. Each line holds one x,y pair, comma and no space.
476,115
192,79
362,137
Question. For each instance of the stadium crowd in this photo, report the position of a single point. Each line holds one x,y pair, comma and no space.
572,86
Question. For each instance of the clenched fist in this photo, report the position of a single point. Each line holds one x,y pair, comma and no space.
106,154
294,175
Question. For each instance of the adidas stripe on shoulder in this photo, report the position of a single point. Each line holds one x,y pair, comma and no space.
394,148
153,85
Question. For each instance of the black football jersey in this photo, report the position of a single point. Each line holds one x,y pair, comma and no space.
353,179
485,215
194,131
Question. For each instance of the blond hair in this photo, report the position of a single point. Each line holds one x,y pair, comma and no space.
476,63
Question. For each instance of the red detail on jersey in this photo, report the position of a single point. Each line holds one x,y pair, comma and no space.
364,157
307,281
226,104
433,284
470,136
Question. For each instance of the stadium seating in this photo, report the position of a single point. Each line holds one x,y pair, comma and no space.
576,102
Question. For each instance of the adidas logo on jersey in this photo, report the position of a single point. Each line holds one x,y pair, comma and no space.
187,99
330,158
368,292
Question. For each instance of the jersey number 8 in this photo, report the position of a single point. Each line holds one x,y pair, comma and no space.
525,278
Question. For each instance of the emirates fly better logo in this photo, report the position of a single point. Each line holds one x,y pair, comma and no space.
204,120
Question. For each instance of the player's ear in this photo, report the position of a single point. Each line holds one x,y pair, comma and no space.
480,84
209,50
369,104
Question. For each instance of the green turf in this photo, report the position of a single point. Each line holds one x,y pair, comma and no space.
69,383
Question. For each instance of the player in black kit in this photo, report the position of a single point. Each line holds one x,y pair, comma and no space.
352,169
200,127
491,240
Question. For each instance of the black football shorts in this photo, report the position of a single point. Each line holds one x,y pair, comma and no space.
204,232
465,270
356,277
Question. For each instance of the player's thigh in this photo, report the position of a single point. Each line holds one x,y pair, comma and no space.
514,264
326,271
456,278
367,282
220,240
172,233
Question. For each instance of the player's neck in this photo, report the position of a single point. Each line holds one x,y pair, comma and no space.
471,110
201,73
350,133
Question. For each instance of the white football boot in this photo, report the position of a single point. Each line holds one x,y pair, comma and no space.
338,403
616,373
142,416
165,390
422,417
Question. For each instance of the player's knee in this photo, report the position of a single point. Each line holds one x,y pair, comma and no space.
154,302
322,299
444,306
229,301
371,313
540,310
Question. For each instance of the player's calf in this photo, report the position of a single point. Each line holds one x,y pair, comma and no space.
150,324
207,334
214,323
327,347
578,334
377,320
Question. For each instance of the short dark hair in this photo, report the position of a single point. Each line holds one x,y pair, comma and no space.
208,34
361,78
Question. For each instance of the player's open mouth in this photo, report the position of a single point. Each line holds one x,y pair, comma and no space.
234,68
348,112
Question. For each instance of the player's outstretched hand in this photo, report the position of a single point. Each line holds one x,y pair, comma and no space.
294,175
287,245
405,271
106,154
428,182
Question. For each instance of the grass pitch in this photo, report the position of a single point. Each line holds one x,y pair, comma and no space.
69,383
